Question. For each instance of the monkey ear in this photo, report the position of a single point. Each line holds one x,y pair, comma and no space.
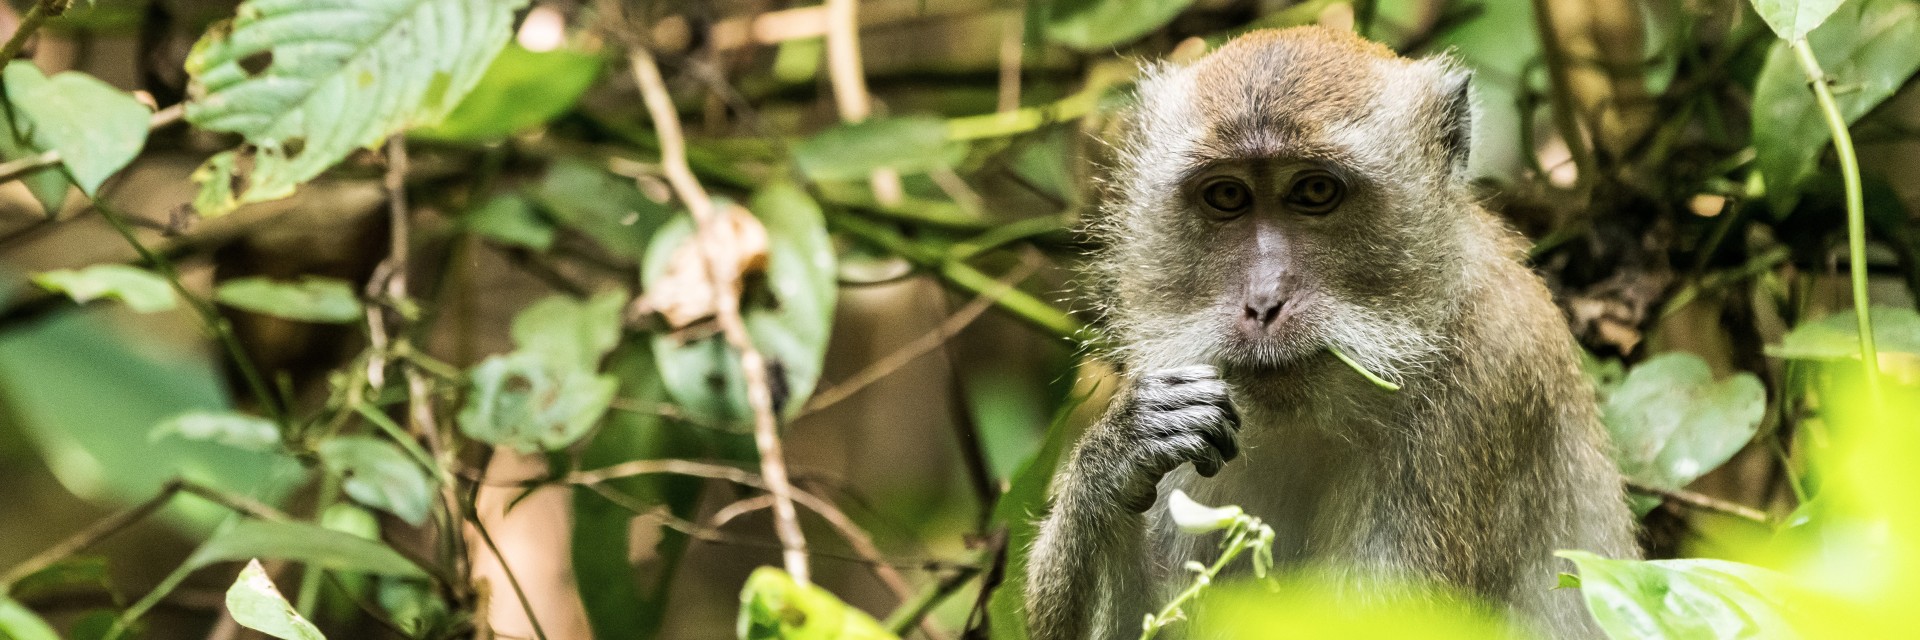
1456,115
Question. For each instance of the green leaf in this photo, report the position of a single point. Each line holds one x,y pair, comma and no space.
82,393
605,207
230,428
1690,598
852,151
773,606
510,220
307,82
75,576
17,622
1792,19
1837,336
789,320
96,128
1672,423
142,290
256,604
1017,511
309,299
546,394
307,543
1867,51
1099,24
377,474
520,90
48,185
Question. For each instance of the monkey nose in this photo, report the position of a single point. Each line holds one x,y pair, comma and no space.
1260,311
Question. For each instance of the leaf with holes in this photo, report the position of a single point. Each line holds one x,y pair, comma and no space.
307,82
96,128
789,313
142,290
256,604
376,473
309,299
547,393
1672,422
1867,51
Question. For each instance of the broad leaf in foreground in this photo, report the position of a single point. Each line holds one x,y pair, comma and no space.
773,606
1792,19
96,128
256,604
1672,422
142,290
307,82
1687,598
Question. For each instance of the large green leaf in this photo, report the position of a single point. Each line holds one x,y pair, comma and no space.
17,622
1867,50
1837,336
852,151
522,89
1671,422
256,604
790,329
96,128
307,543
143,291
48,185
1690,598
86,396
307,82
1792,19
774,607
310,298
1306,605
377,474
547,393
1099,24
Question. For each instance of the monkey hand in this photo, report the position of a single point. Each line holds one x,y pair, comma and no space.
1164,419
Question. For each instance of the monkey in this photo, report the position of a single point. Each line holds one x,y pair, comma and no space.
1292,193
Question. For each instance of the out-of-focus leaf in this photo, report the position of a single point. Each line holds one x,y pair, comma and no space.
230,428
1018,511
620,599
72,576
1792,19
603,206
546,394
1671,422
142,290
310,298
1837,336
96,128
306,543
1688,598
307,82
48,185
790,330
521,89
511,220
377,474
774,607
1098,24
1866,49
86,397
852,151
1308,607
17,622
256,604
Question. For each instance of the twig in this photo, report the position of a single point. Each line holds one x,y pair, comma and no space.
1856,209
525,604
914,610
726,304
849,80
1560,79
210,317
715,536
30,23
1012,46
1703,501
13,169
949,328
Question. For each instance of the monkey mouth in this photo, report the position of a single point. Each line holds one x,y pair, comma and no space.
1277,351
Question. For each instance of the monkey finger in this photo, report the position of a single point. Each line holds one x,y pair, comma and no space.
1207,461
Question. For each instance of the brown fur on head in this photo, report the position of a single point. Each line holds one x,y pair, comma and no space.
1188,284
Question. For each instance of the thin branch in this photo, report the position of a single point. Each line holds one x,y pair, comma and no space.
1565,107
30,23
726,304
849,79
106,527
949,328
1703,501
914,610
525,604
14,169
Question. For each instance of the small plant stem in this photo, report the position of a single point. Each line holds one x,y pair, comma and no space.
221,329
525,605
1369,375
1235,545
1856,208
30,23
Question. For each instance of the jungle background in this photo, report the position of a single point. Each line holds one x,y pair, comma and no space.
645,298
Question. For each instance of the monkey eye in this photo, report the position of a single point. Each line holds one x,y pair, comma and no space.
1227,196
1315,192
